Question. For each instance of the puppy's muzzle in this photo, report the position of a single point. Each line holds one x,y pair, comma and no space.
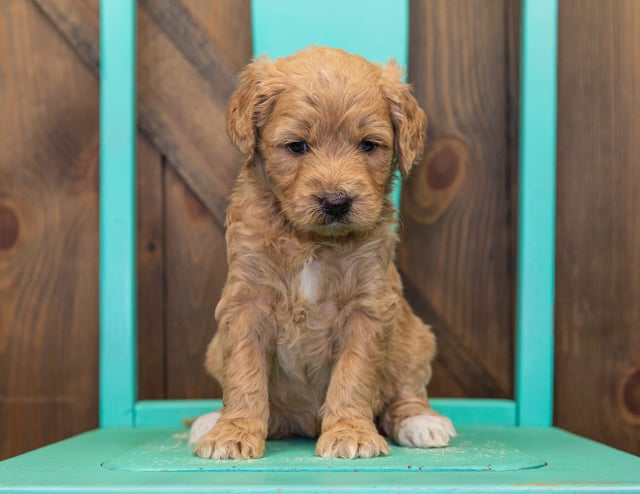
335,206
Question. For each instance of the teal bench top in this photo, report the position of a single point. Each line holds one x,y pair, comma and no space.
481,459
142,456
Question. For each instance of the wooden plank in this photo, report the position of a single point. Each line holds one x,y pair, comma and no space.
194,44
151,272
118,376
185,75
477,451
236,49
459,372
184,80
457,208
473,411
573,465
186,113
48,241
195,273
598,234
535,276
195,246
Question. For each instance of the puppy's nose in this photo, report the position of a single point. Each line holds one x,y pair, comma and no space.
335,205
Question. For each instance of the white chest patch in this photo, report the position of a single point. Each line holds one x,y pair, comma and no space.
310,279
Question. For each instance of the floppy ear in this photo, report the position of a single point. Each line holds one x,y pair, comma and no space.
409,121
251,103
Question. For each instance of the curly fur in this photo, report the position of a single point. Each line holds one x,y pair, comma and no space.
315,337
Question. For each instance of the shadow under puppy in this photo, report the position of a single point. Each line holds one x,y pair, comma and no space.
315,337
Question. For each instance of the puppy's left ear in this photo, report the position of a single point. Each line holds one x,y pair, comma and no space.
409,121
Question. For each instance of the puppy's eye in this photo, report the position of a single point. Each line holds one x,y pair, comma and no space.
298,147
367,146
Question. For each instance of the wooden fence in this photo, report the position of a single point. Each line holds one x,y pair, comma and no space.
457,256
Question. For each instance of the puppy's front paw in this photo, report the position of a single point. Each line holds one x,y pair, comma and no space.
233,439
351,439
425,431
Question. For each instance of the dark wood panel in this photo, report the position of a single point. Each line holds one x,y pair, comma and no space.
151,272
184,86
189,55
195,248
48,234
184,80
195,271
598,233
457,210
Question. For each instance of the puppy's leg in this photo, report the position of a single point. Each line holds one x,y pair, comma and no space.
348,430
241,429
407,417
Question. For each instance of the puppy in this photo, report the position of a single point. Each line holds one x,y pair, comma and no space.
315,337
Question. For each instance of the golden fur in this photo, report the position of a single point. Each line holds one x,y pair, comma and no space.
315,337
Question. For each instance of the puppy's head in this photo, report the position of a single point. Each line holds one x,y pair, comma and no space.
330,129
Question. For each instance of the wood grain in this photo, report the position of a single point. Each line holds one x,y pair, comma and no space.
186,112
195,247
151,272
598,231
49,246
184,80
459,221
195,271
189,55
457,248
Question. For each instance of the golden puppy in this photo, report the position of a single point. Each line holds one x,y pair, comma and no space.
315,337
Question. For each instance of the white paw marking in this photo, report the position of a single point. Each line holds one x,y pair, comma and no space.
202,425
426,431
310,280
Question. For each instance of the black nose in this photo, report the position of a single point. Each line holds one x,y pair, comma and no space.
335,206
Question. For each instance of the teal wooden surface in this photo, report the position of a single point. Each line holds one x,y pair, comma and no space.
378,30
573,464
475,451
536,237
162,413
117,212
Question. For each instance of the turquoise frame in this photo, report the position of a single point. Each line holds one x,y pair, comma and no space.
537,209
118,132
535,268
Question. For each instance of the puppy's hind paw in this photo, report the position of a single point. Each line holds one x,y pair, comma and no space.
425,431
202,425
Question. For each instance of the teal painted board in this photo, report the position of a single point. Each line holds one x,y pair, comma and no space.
473,451
375,29
117,213
77,465
378,30
476,411
161,413
167,413
536,236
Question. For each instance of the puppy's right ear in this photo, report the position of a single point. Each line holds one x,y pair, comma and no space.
249,106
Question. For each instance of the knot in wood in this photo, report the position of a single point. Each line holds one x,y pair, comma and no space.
444,165
9,228
630,395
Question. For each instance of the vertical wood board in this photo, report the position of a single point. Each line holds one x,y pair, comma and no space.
48,241
598,234
457,210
